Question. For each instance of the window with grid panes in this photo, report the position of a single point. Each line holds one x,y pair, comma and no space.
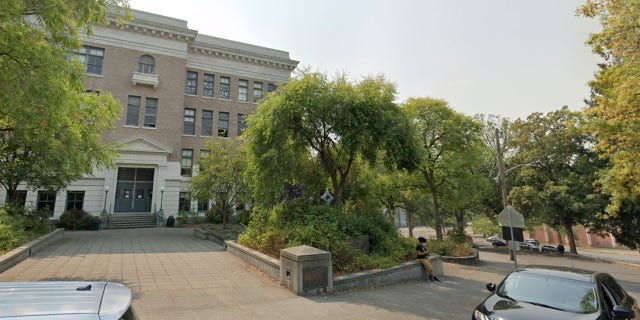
191,87
186,164
150,112
92,58
208,85
223,124
75,200
146,64
184,203
271,87
207,123
242,123
203,205
133,110
225,88
189,126
243,90
47,201
257,91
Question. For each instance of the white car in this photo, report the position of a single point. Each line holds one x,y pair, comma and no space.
69,300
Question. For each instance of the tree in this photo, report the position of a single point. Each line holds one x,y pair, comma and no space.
447,139
560,188
51,131
328,124
220,176
615,96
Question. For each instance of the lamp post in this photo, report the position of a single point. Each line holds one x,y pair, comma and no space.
104,216
160,216
106,193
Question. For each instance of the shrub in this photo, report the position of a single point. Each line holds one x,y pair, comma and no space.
19,225
301,222
449,248
75,219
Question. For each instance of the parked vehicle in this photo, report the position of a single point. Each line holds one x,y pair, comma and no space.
530,245
57,300
552,248
534,241
498,243
550,293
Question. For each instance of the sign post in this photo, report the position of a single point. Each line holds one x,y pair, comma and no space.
515,221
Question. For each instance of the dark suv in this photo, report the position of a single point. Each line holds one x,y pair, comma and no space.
550,293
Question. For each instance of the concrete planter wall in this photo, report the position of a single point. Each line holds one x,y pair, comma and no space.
16,255
408,271
470,260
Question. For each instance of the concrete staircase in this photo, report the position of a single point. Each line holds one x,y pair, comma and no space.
131,220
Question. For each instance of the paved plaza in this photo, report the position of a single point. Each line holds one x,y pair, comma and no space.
176,276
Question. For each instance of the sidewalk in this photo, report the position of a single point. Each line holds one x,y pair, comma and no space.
176,276
613,255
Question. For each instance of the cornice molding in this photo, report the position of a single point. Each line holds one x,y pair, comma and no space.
243,56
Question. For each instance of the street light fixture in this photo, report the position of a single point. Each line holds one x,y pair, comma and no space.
106,193
160,216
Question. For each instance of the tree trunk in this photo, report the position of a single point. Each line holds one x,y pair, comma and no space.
460,220
572,241
436,213
410,223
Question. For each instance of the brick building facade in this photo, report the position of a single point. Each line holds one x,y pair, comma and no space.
178,89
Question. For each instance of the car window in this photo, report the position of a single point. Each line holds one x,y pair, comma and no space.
609,302
615,289
559,293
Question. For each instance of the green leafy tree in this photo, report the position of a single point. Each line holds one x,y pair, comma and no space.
220,176
615,96
560,189
448,139
328,124
50,130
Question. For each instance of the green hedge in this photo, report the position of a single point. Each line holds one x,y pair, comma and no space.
19,226
301,222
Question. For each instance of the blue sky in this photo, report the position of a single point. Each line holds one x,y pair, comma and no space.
502,57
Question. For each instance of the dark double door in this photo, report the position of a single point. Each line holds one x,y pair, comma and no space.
134,190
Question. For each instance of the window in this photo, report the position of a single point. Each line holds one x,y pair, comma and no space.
203,205
192,83
146,64
151,112
75,200
223,124
224,88
47,201
186,163
207,123
242,123
92,58
133,110
94,92
189,122
184,203
19,198
243,89
271,87
208,85
257,91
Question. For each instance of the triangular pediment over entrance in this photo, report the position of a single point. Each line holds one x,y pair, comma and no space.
142,144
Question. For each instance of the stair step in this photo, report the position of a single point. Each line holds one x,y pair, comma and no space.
125,221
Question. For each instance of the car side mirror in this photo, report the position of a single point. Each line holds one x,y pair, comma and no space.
620,312
491,287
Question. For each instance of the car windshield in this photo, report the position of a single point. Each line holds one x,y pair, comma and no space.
557,293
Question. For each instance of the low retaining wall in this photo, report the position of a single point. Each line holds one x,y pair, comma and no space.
18,254
408,271
262,262
207,235
470,260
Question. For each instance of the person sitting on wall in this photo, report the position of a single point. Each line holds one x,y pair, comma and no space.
423,256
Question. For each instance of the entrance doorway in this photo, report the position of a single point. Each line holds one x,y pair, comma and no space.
134,190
